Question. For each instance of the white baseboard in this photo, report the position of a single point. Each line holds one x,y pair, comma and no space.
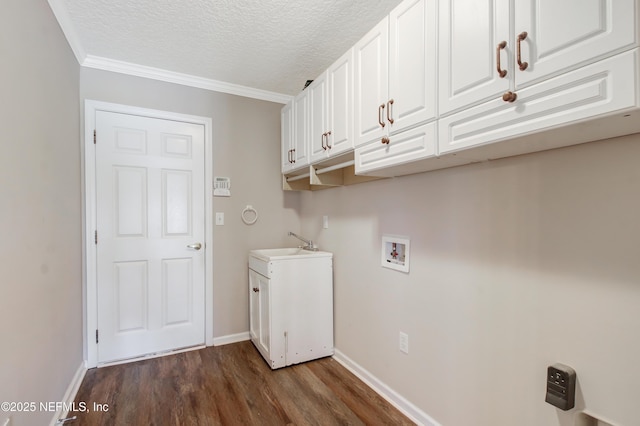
394,398
69,395
231,338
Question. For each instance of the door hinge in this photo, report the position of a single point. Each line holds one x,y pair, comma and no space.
96,336
94,137
95,236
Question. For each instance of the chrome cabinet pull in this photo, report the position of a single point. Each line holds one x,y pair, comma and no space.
328,134
502,73
324,147
523,65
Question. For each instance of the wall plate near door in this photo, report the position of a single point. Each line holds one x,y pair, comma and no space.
221,186
219,218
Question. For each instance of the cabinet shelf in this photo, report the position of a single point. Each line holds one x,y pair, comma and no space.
338,171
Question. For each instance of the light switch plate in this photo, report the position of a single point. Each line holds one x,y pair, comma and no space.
219,218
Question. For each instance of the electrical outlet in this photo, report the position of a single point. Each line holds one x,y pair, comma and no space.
404,342
325,222
219,218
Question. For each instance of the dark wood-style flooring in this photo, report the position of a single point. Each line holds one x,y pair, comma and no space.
229,385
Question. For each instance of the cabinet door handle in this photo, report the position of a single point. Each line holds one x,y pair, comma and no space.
380,112
523,65
293,155
509,97
328,134
289,156
256,289
502,73
385,141
324,147
389,119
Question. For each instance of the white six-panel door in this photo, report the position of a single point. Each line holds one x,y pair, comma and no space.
150,213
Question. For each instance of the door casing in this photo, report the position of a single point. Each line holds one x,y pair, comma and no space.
90,301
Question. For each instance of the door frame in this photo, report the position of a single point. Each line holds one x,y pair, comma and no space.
89,264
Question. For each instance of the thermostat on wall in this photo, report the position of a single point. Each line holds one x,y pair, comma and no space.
221,186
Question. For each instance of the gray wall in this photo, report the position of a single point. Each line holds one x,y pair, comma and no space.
40,210
515,264
246,139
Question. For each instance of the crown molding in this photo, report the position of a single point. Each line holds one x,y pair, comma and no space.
128,68
68,29
106,64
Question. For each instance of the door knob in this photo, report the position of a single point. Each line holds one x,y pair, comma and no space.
196,246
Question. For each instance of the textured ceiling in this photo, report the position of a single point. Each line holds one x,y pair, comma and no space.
271,45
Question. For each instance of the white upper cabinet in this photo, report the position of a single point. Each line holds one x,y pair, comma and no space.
286,135
331,110
470,33
568,34
295,136
439,83
371,80
597,90
481,58
340,116
412,64
318,97
395,72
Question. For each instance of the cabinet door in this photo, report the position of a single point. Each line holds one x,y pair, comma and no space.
300,141
286,131
254,307
403,148
412,69
470,32
371,83
340,118
264,290
568,34
317,93
259,313
605,87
